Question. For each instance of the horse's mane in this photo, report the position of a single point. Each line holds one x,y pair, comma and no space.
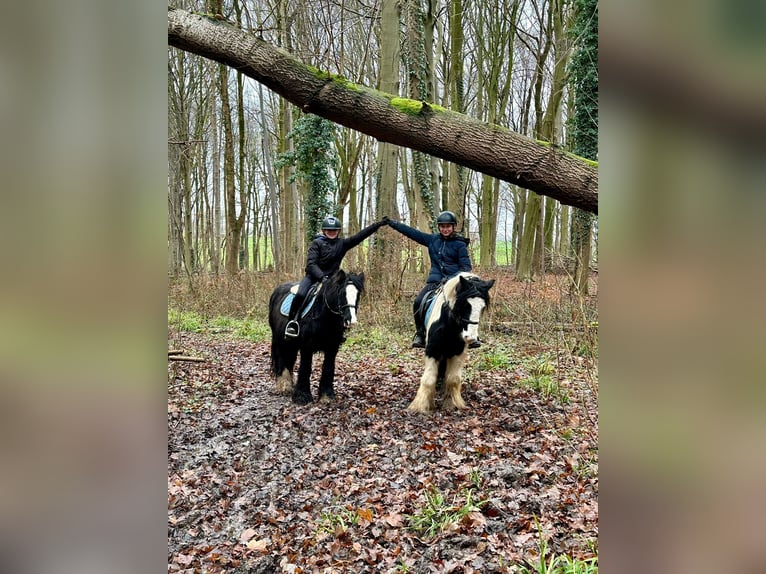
449,291
339,278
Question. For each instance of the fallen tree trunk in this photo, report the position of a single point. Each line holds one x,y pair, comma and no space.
488,148
175,357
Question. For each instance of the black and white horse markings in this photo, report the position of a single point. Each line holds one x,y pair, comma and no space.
452,325
322,330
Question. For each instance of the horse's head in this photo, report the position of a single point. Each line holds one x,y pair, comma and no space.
469,296
349,289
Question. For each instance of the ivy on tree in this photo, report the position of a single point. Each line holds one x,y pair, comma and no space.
315,161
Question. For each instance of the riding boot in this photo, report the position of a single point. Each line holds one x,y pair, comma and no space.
419,340
293,329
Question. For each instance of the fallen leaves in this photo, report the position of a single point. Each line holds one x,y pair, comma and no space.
252,478
258,545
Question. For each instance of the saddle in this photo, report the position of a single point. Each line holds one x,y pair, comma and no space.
427,304
308,302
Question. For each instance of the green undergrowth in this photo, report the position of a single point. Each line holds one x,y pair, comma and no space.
440,510
548,562
337,520
542,379
535,372
246,328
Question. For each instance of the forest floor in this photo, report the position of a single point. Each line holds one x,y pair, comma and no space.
257,484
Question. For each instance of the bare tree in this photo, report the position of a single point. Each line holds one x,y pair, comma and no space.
488,148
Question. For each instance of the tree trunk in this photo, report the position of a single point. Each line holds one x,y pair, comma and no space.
495,22
422,200
525,270
215,237
175,241
243,180
229,177
387,152
518,222
271,185
585,132
457,185
553,112
488,148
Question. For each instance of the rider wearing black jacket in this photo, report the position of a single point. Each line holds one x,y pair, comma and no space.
325,255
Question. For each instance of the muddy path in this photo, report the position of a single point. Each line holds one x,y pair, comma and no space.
257,484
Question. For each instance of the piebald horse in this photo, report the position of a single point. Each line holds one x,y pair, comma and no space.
452,323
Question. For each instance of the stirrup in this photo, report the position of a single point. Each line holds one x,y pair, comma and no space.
292,329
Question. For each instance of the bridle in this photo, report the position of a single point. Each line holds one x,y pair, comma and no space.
341,306
462,321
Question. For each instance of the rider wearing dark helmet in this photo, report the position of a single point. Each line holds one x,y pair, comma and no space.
324,258
448,252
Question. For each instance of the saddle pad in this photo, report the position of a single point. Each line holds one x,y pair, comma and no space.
429,309
288,301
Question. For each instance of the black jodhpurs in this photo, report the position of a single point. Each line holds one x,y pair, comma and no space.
418,301
300,296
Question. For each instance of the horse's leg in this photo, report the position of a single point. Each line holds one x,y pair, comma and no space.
453,382
424,400
302,390
326,391
283,359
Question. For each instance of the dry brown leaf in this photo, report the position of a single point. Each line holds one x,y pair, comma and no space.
394,520
183,559
364,514
259,545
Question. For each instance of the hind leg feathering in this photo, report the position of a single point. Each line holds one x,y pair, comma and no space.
285,382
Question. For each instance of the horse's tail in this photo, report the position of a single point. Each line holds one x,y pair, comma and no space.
276,322
274,354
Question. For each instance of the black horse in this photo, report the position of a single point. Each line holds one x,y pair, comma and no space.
322,329
452,323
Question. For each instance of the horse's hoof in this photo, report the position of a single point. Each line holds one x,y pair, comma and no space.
450,405
326,397
301,398
419,407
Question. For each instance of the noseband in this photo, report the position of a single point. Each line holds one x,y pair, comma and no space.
463,322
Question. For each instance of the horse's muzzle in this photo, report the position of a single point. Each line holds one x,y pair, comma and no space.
470,334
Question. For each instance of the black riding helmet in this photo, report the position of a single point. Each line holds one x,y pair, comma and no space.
446,217
331,222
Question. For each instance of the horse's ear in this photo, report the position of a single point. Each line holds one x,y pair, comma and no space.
361,277
489,284
463,281
341,275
